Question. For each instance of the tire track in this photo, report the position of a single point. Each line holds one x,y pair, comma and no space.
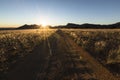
78,65
59,58
33,66
99,72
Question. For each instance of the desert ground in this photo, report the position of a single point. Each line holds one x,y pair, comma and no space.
60,54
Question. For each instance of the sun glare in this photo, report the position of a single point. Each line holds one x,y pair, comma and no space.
44,24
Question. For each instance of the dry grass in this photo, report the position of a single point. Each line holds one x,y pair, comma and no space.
104,45
17,44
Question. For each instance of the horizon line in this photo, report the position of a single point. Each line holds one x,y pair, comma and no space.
15,26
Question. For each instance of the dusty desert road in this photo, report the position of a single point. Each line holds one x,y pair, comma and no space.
59,58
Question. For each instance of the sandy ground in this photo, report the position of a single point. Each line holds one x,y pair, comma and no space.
59,58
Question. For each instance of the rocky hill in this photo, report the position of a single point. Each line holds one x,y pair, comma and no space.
92,26
34,26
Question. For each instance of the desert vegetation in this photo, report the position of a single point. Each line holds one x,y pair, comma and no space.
103,45
17,44
53,54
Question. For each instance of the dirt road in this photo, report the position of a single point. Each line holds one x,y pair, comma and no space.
59,58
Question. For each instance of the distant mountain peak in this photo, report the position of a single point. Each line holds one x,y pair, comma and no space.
92,26
33,26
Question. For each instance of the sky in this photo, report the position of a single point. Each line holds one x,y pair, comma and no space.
14,13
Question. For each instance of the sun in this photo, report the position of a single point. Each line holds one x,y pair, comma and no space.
44,23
